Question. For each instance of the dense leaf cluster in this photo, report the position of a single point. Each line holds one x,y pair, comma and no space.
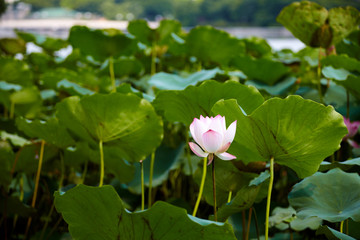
81,134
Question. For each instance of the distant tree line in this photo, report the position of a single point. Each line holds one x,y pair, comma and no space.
189,12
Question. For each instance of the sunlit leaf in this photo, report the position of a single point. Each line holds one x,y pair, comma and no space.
124,121
292,130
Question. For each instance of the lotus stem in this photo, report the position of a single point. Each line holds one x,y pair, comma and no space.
151,178
12,110
214,189
229,196
112,74
36,184
101,163
342,226
269,198
142,186
249,223
201,187
347,104
153,59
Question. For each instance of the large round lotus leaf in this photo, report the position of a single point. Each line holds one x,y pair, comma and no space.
343,20
333,196
185,105
298,133
208,44
142,32
257,47
120,120
50,131
303,19
12,46
98,213
101,44
315,26
264,70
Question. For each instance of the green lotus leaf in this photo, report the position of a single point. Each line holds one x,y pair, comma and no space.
166,159
334,73
14,139
27,102
15,71
342,61
350,45
73,88
160,36
40,62
264,70
185,105
124,121
257,47
49,44
101,44
332,234
167,81
304,19
343,20
297,133
208,44
333,196
5,86
280,88
99,213
142,32
282,218
50,131
12,46
243,200
317,27
352,84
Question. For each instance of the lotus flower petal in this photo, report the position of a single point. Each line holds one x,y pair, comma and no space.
212,141
197,150
230,133
225,156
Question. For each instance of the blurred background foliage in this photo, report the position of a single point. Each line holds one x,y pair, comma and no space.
188,12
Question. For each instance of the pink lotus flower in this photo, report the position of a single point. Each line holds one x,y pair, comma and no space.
352,129
212,137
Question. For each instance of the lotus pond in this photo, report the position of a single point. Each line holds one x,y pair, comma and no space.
166,134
